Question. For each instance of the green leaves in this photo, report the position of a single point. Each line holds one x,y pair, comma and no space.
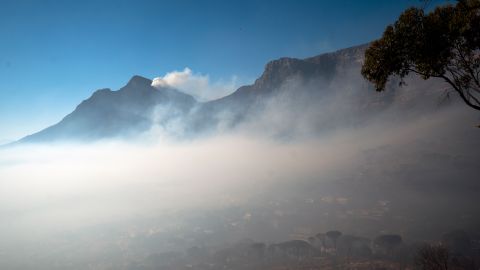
443,44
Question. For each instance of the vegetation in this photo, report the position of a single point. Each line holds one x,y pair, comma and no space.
342,251
388,242
433,257
334,235
442,44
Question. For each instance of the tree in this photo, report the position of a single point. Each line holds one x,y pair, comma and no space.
433,257
442,44
353,246
388,242
296,248
322,238
334,235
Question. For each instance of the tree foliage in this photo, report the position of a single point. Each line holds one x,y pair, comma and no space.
388,242
334,235
444,43
433,257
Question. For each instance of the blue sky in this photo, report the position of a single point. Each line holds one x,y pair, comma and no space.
54,54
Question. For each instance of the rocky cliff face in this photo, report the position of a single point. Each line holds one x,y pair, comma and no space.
322,91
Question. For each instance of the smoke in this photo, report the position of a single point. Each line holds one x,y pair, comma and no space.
134,178
317,156
196,84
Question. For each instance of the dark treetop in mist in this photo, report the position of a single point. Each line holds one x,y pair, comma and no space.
442,44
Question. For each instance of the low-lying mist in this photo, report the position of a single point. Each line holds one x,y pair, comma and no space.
372,174
415,177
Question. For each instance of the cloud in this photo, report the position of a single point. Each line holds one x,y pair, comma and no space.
196,84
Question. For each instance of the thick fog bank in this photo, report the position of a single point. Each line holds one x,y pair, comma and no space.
417,177
310,156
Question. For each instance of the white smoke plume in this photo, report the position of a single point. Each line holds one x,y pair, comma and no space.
196,84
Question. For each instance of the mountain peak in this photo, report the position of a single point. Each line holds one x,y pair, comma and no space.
139,81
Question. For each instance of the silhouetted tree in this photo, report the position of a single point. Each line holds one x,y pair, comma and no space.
321,239
388,242
442,44
334,235
297,249
433,257
353,246
345,245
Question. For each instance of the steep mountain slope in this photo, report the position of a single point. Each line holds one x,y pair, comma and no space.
297,81
108,113
314,94
321,92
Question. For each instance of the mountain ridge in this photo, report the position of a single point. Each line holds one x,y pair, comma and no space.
132,109
109,112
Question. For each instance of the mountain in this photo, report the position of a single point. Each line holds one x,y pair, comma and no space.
320,92
108,113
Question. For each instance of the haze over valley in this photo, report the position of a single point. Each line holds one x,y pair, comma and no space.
158,175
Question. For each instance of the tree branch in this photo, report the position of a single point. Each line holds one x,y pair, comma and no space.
467,65
460,92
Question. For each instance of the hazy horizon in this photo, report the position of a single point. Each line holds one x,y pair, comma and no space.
211,135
